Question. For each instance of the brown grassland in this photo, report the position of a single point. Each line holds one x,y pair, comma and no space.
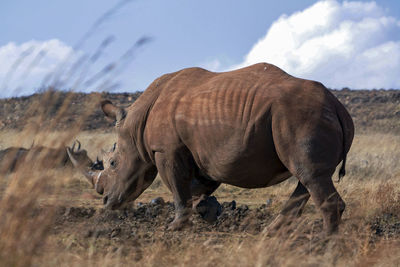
51,217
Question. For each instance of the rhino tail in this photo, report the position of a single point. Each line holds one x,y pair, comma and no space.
342,171
347,125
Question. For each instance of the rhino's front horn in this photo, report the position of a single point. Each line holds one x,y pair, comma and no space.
79,145
90,174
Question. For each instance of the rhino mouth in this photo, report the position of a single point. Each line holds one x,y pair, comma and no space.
114,203
111,203
119,201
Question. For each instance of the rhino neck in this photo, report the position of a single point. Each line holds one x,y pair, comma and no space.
135,127
138,114
136,120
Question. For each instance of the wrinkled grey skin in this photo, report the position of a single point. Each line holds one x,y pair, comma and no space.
253,127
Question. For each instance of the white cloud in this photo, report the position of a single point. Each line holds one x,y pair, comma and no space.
24,66
213,65
347,44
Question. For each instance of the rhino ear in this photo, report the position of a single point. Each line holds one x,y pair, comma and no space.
113,112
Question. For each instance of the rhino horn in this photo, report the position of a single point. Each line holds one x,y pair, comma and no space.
86,171
73,146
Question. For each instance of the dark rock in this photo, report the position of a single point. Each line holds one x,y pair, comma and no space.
229,205
78,212
233,205
115,232
157,201
100,233
209,208
243,208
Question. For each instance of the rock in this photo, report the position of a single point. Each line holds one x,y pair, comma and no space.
78,212
157,201
115,232
243,208
229,205
209,208
233,205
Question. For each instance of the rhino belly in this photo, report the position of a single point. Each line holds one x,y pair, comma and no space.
252,164
249,176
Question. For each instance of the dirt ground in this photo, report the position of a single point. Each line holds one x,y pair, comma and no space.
146,223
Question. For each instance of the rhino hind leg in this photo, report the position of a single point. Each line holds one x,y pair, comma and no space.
313,160
325,197
328,200
177,172
318,182
292,209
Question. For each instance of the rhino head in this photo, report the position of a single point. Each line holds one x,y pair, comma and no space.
77,156
125,175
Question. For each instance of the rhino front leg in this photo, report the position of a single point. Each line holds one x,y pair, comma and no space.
176,171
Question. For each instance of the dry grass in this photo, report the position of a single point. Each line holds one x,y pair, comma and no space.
371,189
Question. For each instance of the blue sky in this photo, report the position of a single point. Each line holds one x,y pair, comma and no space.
340,43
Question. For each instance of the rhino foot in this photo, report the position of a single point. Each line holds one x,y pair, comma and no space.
178,224
276,225
182,219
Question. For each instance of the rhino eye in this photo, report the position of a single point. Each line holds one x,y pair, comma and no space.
113,163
